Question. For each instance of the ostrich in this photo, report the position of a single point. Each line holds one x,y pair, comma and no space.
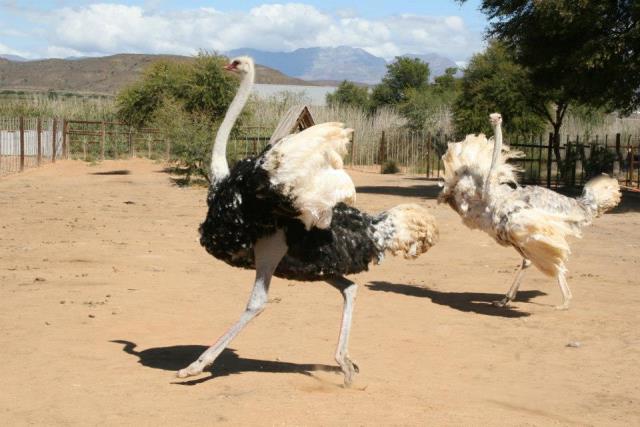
286,213
482,188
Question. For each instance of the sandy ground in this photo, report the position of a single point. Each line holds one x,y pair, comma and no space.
105,292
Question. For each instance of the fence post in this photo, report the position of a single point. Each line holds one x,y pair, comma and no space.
621,159
39,132
130,142
429,154
102,140
549,159
21,144
65,151
631,156
168,142
353,148
382,150
54,131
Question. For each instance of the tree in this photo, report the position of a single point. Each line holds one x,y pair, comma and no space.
402,75
186,100
447,83
348,93
575,51
494,82
201,86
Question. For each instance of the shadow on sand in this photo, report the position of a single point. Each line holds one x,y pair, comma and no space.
176,357
113,172
475,302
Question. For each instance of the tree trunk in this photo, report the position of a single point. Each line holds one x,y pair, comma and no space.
556,147
561,109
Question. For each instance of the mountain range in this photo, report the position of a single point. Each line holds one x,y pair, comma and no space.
336,63
103,75
107,75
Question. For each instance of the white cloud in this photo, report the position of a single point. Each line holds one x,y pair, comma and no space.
6,50
114,28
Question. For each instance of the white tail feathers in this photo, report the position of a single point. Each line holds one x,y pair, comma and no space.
307,167
407,229
542,238
601,194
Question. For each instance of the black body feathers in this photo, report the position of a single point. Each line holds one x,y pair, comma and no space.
245,207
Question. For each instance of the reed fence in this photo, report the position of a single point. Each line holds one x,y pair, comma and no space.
30,142
581,157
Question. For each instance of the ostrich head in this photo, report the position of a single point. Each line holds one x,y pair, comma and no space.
495,119
241,64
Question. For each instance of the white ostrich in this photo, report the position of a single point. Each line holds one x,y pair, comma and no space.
481,186
285,213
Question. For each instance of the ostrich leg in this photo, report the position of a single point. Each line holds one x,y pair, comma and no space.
511,295
566,292
348,290
268,253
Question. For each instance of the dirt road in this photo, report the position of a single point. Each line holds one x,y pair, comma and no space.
105,292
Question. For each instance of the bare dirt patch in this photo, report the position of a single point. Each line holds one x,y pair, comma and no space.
105,292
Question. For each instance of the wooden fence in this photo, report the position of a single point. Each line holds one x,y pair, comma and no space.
30,142
581,157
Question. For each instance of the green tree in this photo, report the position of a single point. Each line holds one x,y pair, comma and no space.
447,83
348,93
402,75
576,51
201,86
137,103
494,82
186,100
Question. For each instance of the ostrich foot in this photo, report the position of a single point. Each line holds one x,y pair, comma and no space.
564,306
503,302
349,369
194,369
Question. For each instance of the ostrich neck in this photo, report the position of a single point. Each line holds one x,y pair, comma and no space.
497,149
219,166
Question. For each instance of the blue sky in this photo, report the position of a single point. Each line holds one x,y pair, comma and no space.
61,28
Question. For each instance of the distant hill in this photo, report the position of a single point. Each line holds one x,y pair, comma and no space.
103,75
322,63
437,63
337,63
12,57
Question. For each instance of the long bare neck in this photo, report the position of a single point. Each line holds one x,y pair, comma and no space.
497,147
219,166
497,150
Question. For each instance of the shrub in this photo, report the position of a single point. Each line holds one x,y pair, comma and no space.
389,167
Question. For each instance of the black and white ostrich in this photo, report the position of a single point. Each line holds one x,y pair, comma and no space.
285,212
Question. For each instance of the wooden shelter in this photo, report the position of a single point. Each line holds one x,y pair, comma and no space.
298,118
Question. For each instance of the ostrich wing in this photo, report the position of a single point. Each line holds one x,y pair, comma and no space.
307,168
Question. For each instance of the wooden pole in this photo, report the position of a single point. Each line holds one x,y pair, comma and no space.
130,143
103,140
549,159
54,131
21,144
382,150
353,149
621,158
39,132
630,150
65,150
